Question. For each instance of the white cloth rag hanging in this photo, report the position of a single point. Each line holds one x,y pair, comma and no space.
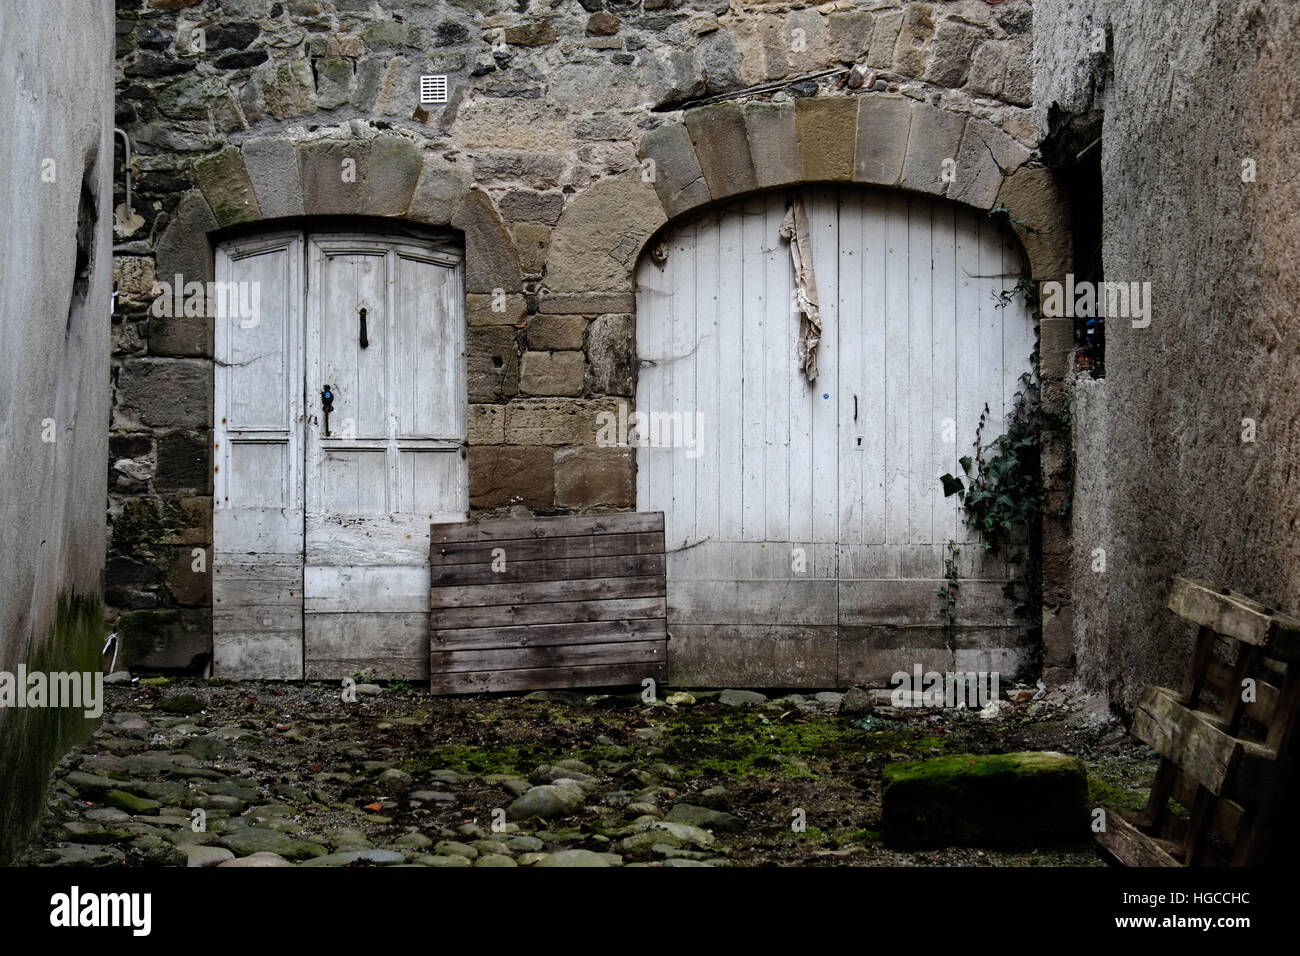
794,230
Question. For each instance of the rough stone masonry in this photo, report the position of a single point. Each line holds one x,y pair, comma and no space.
239,111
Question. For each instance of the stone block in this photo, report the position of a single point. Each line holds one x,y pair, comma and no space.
485,309
533,240
773,143
552,332
439,190
539,33
554,421
164,393
501,475
184,462
1018,82
884,37
492,355
586,304
190,588
934,135
676,173
552,373
611,355
183,247
525,205
914,37
950,53
165,640
133,276
590,477
331,171
272,167
166,521
996,800
849,32
884,122
393,165
1056,346
185,336
721,145
827,129
487,424
988,65
603,24
335,80
491,261
1032,195
594,246
284,89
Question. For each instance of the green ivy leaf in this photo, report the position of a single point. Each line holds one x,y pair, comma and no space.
951,486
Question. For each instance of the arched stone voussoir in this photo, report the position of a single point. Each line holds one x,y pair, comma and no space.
675,171
1033,197
359,177
183,247
934,135
827,127
441,187
773,143
987,155
223,179
721,145
491,259
272,166
595,245
884,124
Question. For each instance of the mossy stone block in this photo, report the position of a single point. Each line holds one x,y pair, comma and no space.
995,800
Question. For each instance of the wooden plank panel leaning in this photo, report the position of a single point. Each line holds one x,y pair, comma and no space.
543,603
1225,766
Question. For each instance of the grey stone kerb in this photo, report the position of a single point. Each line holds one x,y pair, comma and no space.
715,152
385,174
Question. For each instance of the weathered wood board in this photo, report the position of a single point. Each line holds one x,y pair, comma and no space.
545,603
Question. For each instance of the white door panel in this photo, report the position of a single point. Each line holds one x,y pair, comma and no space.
839,477
338,522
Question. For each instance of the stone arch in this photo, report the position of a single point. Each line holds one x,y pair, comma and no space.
282,177
717,152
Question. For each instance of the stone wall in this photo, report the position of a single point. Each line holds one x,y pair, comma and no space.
572,133
55,90
1170,481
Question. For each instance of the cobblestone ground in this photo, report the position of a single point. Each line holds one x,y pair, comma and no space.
291,775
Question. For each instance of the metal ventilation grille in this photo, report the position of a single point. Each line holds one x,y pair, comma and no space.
433,89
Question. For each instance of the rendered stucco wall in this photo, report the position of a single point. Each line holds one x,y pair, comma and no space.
56,89
1166,481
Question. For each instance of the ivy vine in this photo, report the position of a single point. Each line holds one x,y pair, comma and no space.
1001,486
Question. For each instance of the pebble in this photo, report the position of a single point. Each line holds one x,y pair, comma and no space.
580,858
741,698
207,855
258,859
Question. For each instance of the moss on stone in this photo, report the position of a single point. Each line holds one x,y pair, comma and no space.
1017,799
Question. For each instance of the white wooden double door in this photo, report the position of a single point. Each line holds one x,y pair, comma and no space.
807,527
321,526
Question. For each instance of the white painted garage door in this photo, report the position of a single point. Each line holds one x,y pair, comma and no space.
844,470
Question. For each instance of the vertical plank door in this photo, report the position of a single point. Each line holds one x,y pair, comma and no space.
393,461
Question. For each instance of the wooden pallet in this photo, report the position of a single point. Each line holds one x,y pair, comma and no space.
1225,761
538,603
